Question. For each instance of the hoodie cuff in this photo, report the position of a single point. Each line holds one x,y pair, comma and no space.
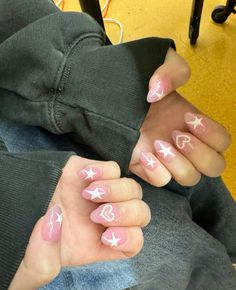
103,95
27,184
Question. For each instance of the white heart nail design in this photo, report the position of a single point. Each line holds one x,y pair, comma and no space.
107,213
182,140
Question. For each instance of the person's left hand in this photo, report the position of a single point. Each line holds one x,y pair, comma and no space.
176,140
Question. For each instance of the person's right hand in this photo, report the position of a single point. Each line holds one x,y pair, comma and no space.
102,219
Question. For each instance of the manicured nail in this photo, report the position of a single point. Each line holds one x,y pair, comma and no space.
106,213
182,141
196,122
148,160
114,237
51,229
164,150
156,93
90,173
93,191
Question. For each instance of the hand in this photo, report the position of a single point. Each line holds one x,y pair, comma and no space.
102,219
193,148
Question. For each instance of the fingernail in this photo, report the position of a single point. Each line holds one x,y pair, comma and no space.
114,237
51,229
156,93
106,213
164,150
182,141
90,173
148,160
95,192
196,122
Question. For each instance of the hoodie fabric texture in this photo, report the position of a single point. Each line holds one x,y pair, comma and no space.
57,73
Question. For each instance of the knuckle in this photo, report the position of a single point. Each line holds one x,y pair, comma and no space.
139,241
164,181
228,139
45,272
186,70
219,168
137,245
141,213
115,166
130,187
49,271
184,174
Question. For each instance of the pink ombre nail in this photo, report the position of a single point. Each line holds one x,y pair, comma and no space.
182,141
51,228
156,93
114,237
195,122
164,150
98,192
148,160
106,213
90,173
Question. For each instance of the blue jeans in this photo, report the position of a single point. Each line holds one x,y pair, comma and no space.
189,244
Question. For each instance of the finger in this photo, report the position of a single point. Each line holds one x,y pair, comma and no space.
41,262
128,240
174,73
203,157
181,169
208,131
113,190
156,172
128,213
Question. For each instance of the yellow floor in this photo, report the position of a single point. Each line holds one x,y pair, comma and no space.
212,87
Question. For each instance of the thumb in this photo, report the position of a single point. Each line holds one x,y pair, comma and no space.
41,262
173,73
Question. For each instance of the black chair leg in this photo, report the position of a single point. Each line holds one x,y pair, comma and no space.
195,19
221,12
92,7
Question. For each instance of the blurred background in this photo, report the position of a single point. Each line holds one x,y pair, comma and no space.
212,86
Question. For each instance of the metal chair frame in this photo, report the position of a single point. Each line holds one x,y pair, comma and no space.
219,15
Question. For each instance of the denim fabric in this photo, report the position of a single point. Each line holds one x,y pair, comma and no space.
188,244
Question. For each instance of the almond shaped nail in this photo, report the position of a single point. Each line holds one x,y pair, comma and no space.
156,93
196,122
106,213
114,237
182,141
51,228
148,160
95,192
90,173
164,150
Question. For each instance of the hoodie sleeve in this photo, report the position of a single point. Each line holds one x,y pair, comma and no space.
27,183
57,73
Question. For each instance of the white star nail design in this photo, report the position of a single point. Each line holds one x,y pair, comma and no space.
150,160
166,150
114,241
90,173
59,218
160,94
96,193
196,122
